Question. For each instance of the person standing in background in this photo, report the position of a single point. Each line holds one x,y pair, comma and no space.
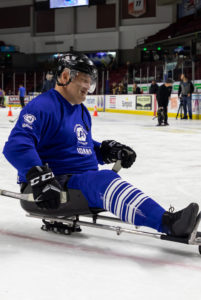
163,95
2,94
114,88
21,93
153,87
136,89
49,82
186,89
122,89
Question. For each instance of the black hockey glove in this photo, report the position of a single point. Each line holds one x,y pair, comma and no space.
46,189
112,151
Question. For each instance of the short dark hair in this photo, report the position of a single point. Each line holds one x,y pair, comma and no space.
169,80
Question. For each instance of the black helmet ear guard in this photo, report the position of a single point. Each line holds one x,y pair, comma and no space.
76,62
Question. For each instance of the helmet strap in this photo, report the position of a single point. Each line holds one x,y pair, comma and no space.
63,84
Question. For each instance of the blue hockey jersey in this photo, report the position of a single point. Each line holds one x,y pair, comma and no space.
51,130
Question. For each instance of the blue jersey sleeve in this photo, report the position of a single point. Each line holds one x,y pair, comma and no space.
21,147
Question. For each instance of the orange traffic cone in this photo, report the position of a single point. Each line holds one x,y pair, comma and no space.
10,114
95,112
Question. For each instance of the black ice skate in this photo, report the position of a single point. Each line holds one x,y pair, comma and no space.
181,223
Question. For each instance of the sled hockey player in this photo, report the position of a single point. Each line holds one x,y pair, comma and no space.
52,148
162,96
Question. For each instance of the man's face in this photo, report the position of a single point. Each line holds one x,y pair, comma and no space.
79,87
182,76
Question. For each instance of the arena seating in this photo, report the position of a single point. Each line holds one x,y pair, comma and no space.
188,24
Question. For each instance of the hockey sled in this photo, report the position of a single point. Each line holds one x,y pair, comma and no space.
74,212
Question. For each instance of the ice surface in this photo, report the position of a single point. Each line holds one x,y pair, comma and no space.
94,264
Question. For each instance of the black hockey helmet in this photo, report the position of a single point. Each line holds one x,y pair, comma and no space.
77,62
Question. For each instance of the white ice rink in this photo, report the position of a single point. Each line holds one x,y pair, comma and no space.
94,264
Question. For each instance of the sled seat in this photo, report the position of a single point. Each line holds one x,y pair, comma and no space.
76,204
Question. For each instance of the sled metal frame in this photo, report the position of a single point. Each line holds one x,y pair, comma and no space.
193,239
73,221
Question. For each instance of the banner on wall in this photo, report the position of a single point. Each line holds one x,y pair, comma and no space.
137,8
92,100
120,102
196,103
144,102
175,88
188,7
173,103
14,100
112,102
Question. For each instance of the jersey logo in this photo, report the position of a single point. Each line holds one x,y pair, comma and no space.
82,145
28,118
81,134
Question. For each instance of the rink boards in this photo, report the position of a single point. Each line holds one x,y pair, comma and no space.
143,104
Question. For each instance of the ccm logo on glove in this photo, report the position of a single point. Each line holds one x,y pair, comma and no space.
43,177
46,189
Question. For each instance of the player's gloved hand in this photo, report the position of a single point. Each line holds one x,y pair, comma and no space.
46,189
112,151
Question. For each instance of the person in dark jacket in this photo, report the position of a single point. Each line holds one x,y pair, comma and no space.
186,89
163,95
153,87
49,82
2,94
136,89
